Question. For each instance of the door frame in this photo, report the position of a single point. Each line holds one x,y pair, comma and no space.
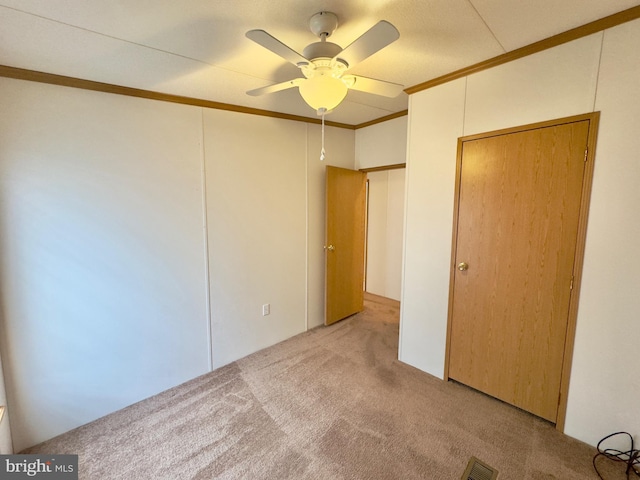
587,181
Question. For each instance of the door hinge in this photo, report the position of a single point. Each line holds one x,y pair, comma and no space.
571,286
586,153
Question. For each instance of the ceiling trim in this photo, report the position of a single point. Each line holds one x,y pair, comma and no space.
568,36
384,168
53,79
382,119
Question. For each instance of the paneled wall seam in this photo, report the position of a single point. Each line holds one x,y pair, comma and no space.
306,225
386,239
595,93
205,232
464,106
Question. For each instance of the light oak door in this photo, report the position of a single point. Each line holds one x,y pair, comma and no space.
515,245
344,247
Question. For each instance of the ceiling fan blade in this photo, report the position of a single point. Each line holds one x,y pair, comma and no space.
374,39
276,87
371,85
276,46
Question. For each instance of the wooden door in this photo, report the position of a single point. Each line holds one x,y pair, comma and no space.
518,215
344,247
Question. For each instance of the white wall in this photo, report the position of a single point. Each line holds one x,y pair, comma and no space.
385,223
566,80
113,288
102,253
605,385
256,206
382,144
435,122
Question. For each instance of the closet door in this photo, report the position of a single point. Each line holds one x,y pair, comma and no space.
518,214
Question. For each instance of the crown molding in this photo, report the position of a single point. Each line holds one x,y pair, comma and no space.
61,80
382,119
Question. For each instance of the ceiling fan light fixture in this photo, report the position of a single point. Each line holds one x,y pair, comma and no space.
323,92
324,63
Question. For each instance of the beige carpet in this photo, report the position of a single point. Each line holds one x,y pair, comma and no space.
332,403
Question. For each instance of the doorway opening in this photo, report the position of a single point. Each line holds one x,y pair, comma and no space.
384,231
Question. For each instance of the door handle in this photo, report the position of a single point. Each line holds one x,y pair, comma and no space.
331,248
462,266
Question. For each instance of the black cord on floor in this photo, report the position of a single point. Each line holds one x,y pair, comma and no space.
630,457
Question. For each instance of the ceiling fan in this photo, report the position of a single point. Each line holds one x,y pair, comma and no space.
325,64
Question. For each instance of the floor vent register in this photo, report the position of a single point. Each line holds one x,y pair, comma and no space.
477,470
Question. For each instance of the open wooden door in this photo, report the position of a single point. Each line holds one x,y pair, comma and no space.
344,247
519,211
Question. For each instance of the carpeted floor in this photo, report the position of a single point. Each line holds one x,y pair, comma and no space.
331,403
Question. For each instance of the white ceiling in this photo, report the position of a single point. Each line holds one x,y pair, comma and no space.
197,48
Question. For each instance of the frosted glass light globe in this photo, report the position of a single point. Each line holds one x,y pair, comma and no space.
323,91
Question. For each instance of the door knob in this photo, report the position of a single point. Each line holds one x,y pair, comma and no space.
462,266
331,248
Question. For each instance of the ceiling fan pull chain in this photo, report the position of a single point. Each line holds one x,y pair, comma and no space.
323,110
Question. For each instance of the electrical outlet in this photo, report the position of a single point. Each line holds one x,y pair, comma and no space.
266,309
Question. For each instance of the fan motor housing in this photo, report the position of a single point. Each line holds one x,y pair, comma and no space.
321,50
